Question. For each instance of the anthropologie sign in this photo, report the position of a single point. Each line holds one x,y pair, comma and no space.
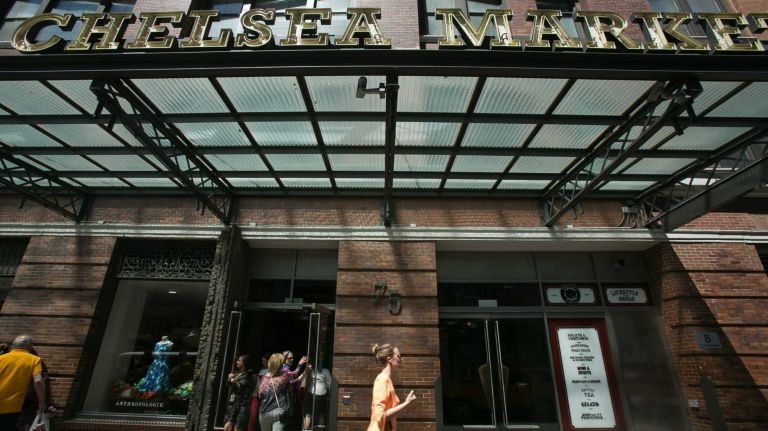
586,382
603,30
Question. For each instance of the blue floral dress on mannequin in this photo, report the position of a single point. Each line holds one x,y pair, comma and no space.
156,379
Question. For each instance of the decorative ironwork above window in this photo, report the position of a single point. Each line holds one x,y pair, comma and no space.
156,260
11,253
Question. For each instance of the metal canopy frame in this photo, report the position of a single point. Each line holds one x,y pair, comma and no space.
594,169
174,157
42,187
167,146
737,169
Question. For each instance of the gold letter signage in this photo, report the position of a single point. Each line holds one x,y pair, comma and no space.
600,30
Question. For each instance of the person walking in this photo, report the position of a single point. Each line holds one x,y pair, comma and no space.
17,367
385,405
241,385
273,394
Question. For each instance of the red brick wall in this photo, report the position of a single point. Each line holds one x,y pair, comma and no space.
54,298
455,212
719,288
399,21
408,267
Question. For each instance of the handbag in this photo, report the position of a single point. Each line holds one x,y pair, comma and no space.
287,413
41,423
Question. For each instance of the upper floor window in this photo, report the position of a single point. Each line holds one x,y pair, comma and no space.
474,9
230,11
18,12
23,9
689,6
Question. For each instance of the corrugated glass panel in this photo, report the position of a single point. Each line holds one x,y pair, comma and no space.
658,166
626,185
153,182
523,185
657,137
712,92
214,134
313,183
182,95
547,165
80,92
82,135
66,163
566,136
123,163
412,183
420,162
296,162
749,102
480,163
337,93
703,138
126,134
236,162
32,98
435,93
253,182
352,132
427,134
601,97
283,133
264,94
357,162
598,164
360,183
33,162
19,135
469,184
518,95
496,135
101,182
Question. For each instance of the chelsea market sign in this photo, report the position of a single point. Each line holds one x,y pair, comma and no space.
603,30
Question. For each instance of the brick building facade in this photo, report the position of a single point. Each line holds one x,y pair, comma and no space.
705,278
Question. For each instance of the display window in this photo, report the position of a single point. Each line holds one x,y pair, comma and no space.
146,360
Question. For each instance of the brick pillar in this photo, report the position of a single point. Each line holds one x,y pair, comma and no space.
54,298
719,288
229,282
408,267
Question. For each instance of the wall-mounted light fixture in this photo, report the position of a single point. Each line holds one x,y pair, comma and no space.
362,89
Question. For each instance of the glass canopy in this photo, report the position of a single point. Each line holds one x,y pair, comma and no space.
445,135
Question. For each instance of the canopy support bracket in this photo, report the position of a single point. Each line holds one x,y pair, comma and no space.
188,169
42,187
741,167
596,167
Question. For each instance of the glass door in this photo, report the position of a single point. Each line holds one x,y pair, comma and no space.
259,330
496,374
319,383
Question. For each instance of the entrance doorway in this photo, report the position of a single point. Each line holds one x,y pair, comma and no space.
496,373
259,329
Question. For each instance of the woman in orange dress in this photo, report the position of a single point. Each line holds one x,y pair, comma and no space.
385,405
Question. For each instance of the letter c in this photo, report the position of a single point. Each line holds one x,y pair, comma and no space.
20,39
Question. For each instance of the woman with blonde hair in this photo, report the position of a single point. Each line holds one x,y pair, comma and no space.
273,391
385,405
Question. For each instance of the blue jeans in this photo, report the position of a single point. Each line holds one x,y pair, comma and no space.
270,421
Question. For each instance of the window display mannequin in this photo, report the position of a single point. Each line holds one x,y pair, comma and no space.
156,379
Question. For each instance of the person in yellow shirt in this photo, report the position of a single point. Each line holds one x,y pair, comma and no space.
385,405
17,367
